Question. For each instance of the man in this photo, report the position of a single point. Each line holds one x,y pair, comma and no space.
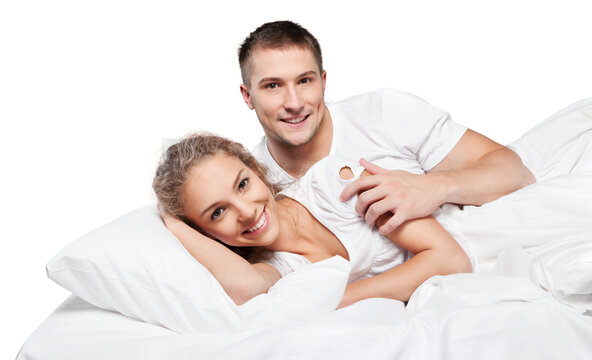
437,160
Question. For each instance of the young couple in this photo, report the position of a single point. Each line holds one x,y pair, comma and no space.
304,195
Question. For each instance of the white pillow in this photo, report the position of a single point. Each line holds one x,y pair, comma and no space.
135,266
559,145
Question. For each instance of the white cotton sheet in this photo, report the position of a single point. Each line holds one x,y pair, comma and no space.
463,316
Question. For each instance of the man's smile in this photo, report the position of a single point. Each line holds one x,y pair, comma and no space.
295,120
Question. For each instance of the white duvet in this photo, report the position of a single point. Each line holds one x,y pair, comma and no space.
531,297
464,316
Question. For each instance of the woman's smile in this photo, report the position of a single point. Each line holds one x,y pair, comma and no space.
260,225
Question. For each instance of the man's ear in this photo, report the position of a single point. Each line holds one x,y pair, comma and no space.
246,96
324,78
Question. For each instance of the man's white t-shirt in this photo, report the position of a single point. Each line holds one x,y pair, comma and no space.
390,128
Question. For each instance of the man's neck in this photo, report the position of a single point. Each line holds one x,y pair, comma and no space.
296,160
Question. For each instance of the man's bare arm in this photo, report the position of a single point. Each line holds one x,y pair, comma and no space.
476,171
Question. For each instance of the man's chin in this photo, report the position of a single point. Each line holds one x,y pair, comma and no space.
295,142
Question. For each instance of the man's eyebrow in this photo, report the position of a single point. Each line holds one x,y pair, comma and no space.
235,185
310,72
277,79
269,79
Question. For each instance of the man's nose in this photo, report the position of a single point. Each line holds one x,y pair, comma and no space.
292,100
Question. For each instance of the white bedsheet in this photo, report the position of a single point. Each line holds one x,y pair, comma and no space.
464,316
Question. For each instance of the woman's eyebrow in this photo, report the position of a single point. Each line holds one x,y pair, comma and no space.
234,186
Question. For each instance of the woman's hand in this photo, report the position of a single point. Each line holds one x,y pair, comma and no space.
169,220
164,214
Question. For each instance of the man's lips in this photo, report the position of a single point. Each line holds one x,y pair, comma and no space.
295,120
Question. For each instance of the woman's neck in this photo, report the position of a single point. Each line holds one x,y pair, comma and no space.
296,225
301,233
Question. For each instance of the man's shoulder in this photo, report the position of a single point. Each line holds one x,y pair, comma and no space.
259,151
275,173
381,95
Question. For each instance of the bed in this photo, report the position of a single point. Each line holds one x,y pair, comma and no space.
136,293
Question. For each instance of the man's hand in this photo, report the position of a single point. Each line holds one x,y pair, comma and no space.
405,195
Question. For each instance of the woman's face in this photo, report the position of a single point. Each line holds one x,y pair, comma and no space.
228,201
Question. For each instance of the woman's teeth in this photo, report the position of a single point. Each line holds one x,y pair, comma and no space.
259,224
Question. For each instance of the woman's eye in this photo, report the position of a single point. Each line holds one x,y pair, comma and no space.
243,184
217,213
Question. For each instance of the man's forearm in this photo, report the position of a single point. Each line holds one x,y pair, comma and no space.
496,174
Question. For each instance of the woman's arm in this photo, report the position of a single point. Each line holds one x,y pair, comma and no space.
240,279
436,253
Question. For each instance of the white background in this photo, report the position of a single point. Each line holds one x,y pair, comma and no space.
88,90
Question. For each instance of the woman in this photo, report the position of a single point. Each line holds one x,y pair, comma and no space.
212,188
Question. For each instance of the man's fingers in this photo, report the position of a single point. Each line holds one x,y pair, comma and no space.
371,168
378,209
397,219
368,198
361,184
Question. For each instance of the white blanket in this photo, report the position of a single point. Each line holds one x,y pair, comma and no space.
464,316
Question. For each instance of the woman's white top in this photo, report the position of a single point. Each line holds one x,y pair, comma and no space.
370,253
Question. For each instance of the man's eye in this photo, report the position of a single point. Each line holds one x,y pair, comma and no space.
243,184
305,80
271,86
217,213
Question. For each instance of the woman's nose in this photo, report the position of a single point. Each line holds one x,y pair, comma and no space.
246,212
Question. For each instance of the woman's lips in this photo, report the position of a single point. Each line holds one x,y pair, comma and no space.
260,225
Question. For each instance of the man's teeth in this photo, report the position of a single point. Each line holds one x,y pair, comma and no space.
296,120
260,223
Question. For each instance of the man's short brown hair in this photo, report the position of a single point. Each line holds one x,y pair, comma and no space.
273,35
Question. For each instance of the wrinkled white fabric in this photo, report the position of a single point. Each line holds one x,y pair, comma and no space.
462,316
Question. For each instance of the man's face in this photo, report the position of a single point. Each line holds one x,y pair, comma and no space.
287,92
